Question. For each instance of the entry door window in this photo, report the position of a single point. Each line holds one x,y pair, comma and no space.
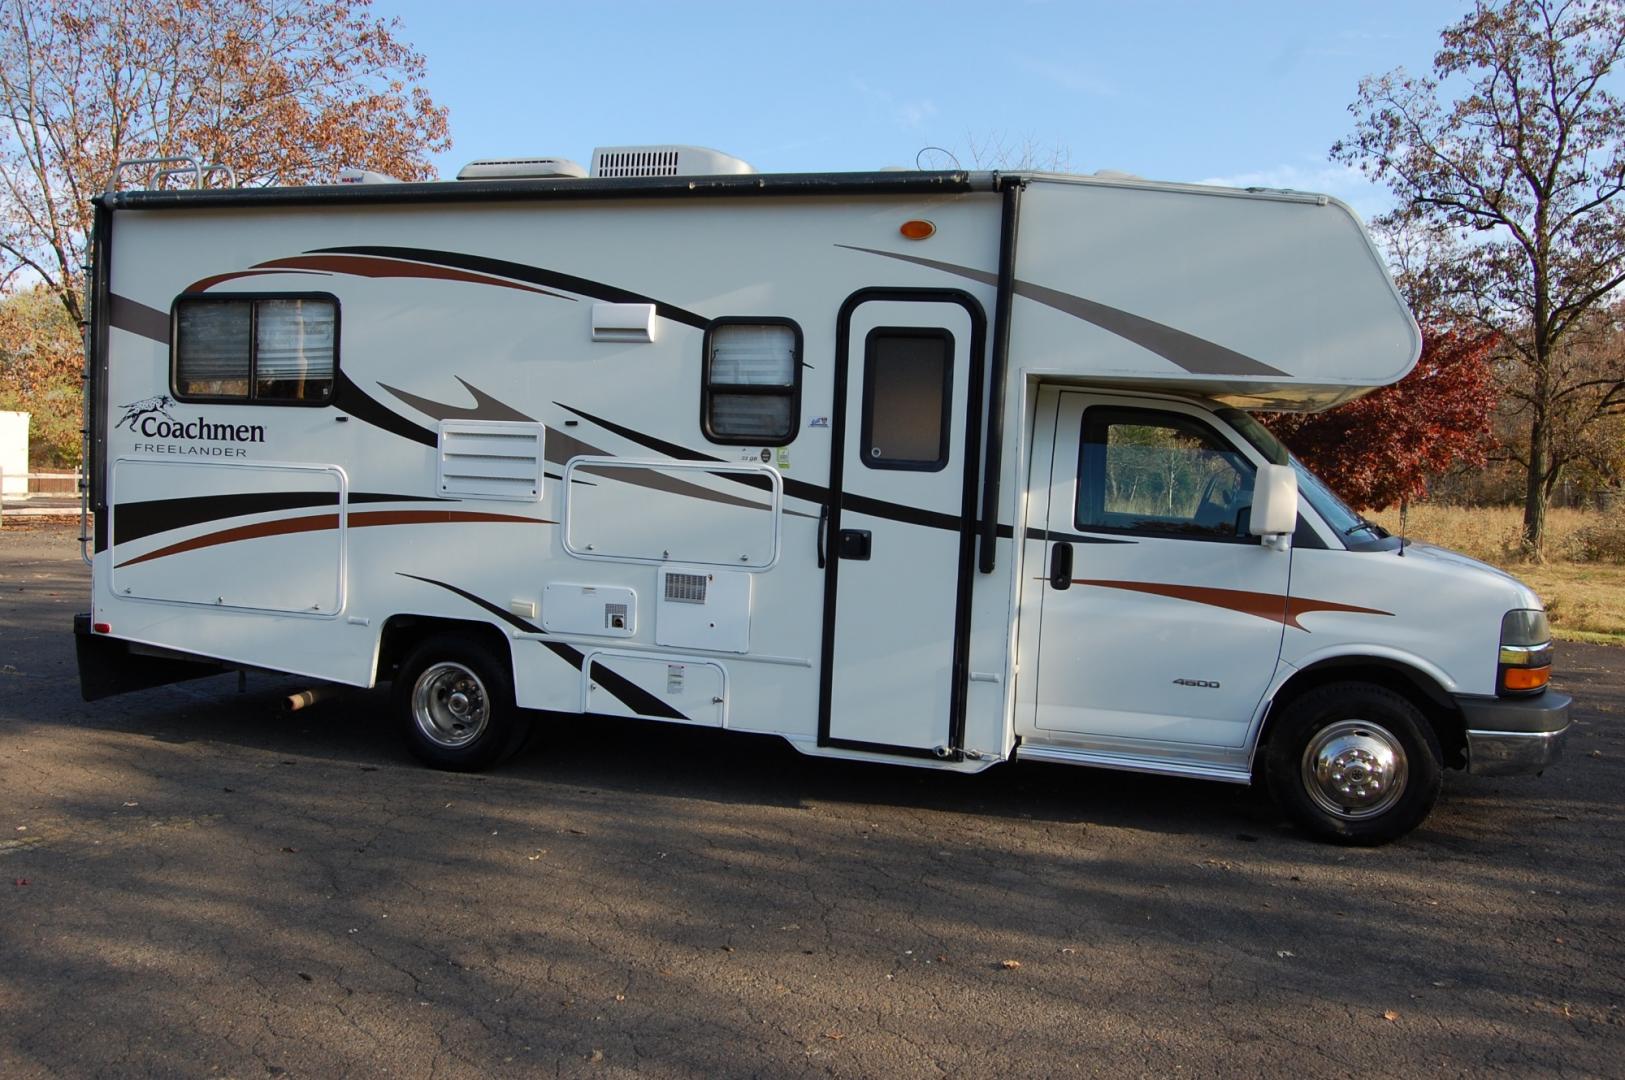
1160,474
907,386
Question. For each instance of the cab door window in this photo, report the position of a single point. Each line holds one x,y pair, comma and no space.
1152,473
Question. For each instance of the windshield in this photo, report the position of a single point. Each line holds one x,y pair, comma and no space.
1333,510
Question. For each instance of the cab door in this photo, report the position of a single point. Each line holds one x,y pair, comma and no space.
1158,617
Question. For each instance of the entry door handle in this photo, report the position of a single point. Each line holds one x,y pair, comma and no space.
823,526
1060,565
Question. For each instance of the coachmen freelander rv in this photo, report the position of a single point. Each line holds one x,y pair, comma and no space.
936,468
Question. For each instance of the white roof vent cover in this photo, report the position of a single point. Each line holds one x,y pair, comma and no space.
608,161
531,168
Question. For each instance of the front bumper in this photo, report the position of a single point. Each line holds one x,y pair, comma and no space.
1515,736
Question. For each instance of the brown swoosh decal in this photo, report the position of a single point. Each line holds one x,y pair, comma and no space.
205,284
1271,606
371,266
319,522
1196,355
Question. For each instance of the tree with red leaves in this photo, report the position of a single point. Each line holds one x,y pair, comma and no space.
1381,449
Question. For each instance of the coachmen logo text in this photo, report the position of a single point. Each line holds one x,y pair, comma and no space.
151,418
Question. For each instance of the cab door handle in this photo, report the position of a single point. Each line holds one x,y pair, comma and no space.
1060,565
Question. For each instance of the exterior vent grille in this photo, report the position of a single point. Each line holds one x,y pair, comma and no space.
685,588
636,163
485,460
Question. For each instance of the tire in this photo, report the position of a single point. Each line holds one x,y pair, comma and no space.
1354,763
454,700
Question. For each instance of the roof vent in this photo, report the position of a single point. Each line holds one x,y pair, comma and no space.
664,161
531,168
365,176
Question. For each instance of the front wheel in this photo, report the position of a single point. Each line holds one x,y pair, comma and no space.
455,701
1354,762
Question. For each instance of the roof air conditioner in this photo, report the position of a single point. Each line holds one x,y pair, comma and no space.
610,161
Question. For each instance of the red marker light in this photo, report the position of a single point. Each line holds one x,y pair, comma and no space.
102,628
917,229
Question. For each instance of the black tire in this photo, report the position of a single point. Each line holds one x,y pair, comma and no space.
1355,763
454,700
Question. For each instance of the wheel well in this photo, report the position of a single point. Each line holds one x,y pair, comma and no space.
1419,689
403,633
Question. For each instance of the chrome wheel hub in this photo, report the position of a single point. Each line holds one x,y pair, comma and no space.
1354,769
449,705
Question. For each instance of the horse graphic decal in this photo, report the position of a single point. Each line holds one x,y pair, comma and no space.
135,410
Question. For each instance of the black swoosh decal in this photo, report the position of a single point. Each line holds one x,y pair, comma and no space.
536,275
138,318
350,398
1196,355
624,690
134,520
485,407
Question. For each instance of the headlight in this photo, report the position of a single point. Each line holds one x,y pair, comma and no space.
1526,652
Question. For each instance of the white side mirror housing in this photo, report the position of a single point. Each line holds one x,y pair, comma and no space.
1275,502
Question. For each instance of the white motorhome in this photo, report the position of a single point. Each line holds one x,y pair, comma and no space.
935,468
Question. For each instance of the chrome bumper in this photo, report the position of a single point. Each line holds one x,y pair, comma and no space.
1515,736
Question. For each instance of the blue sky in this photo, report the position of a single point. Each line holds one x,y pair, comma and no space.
1247,92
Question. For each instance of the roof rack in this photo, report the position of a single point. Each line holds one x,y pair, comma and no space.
178,165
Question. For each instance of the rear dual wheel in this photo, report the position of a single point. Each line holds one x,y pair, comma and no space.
1354,762
455,701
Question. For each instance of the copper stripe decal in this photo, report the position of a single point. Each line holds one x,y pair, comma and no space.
370,266
318,522
1271,606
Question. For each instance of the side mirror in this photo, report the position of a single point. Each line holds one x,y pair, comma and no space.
1275,502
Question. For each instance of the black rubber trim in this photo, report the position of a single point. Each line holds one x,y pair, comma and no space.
964,523
1546,711
101,311
1009,227
625,691
541,190
880,748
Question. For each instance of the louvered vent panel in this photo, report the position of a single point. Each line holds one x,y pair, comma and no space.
637,163
685,588
485,460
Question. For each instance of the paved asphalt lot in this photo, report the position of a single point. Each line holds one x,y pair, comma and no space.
196,885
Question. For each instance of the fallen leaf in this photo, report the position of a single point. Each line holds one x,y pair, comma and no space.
836,1035
620,997
303,976
20,881
1284,953
596,1055
291,850
1009,965
1390,1015
132,804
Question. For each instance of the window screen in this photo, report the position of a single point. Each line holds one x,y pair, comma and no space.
752,381
264,350
907,380
1160,474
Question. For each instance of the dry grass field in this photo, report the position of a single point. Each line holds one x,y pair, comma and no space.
1582,578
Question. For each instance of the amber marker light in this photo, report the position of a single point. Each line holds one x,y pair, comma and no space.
918,229
1526,678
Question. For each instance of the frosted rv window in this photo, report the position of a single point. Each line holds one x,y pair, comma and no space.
907,377
752,380
211,350
263,350
293,349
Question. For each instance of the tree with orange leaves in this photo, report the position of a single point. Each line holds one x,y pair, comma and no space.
283,91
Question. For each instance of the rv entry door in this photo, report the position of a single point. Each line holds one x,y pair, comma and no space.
897,542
